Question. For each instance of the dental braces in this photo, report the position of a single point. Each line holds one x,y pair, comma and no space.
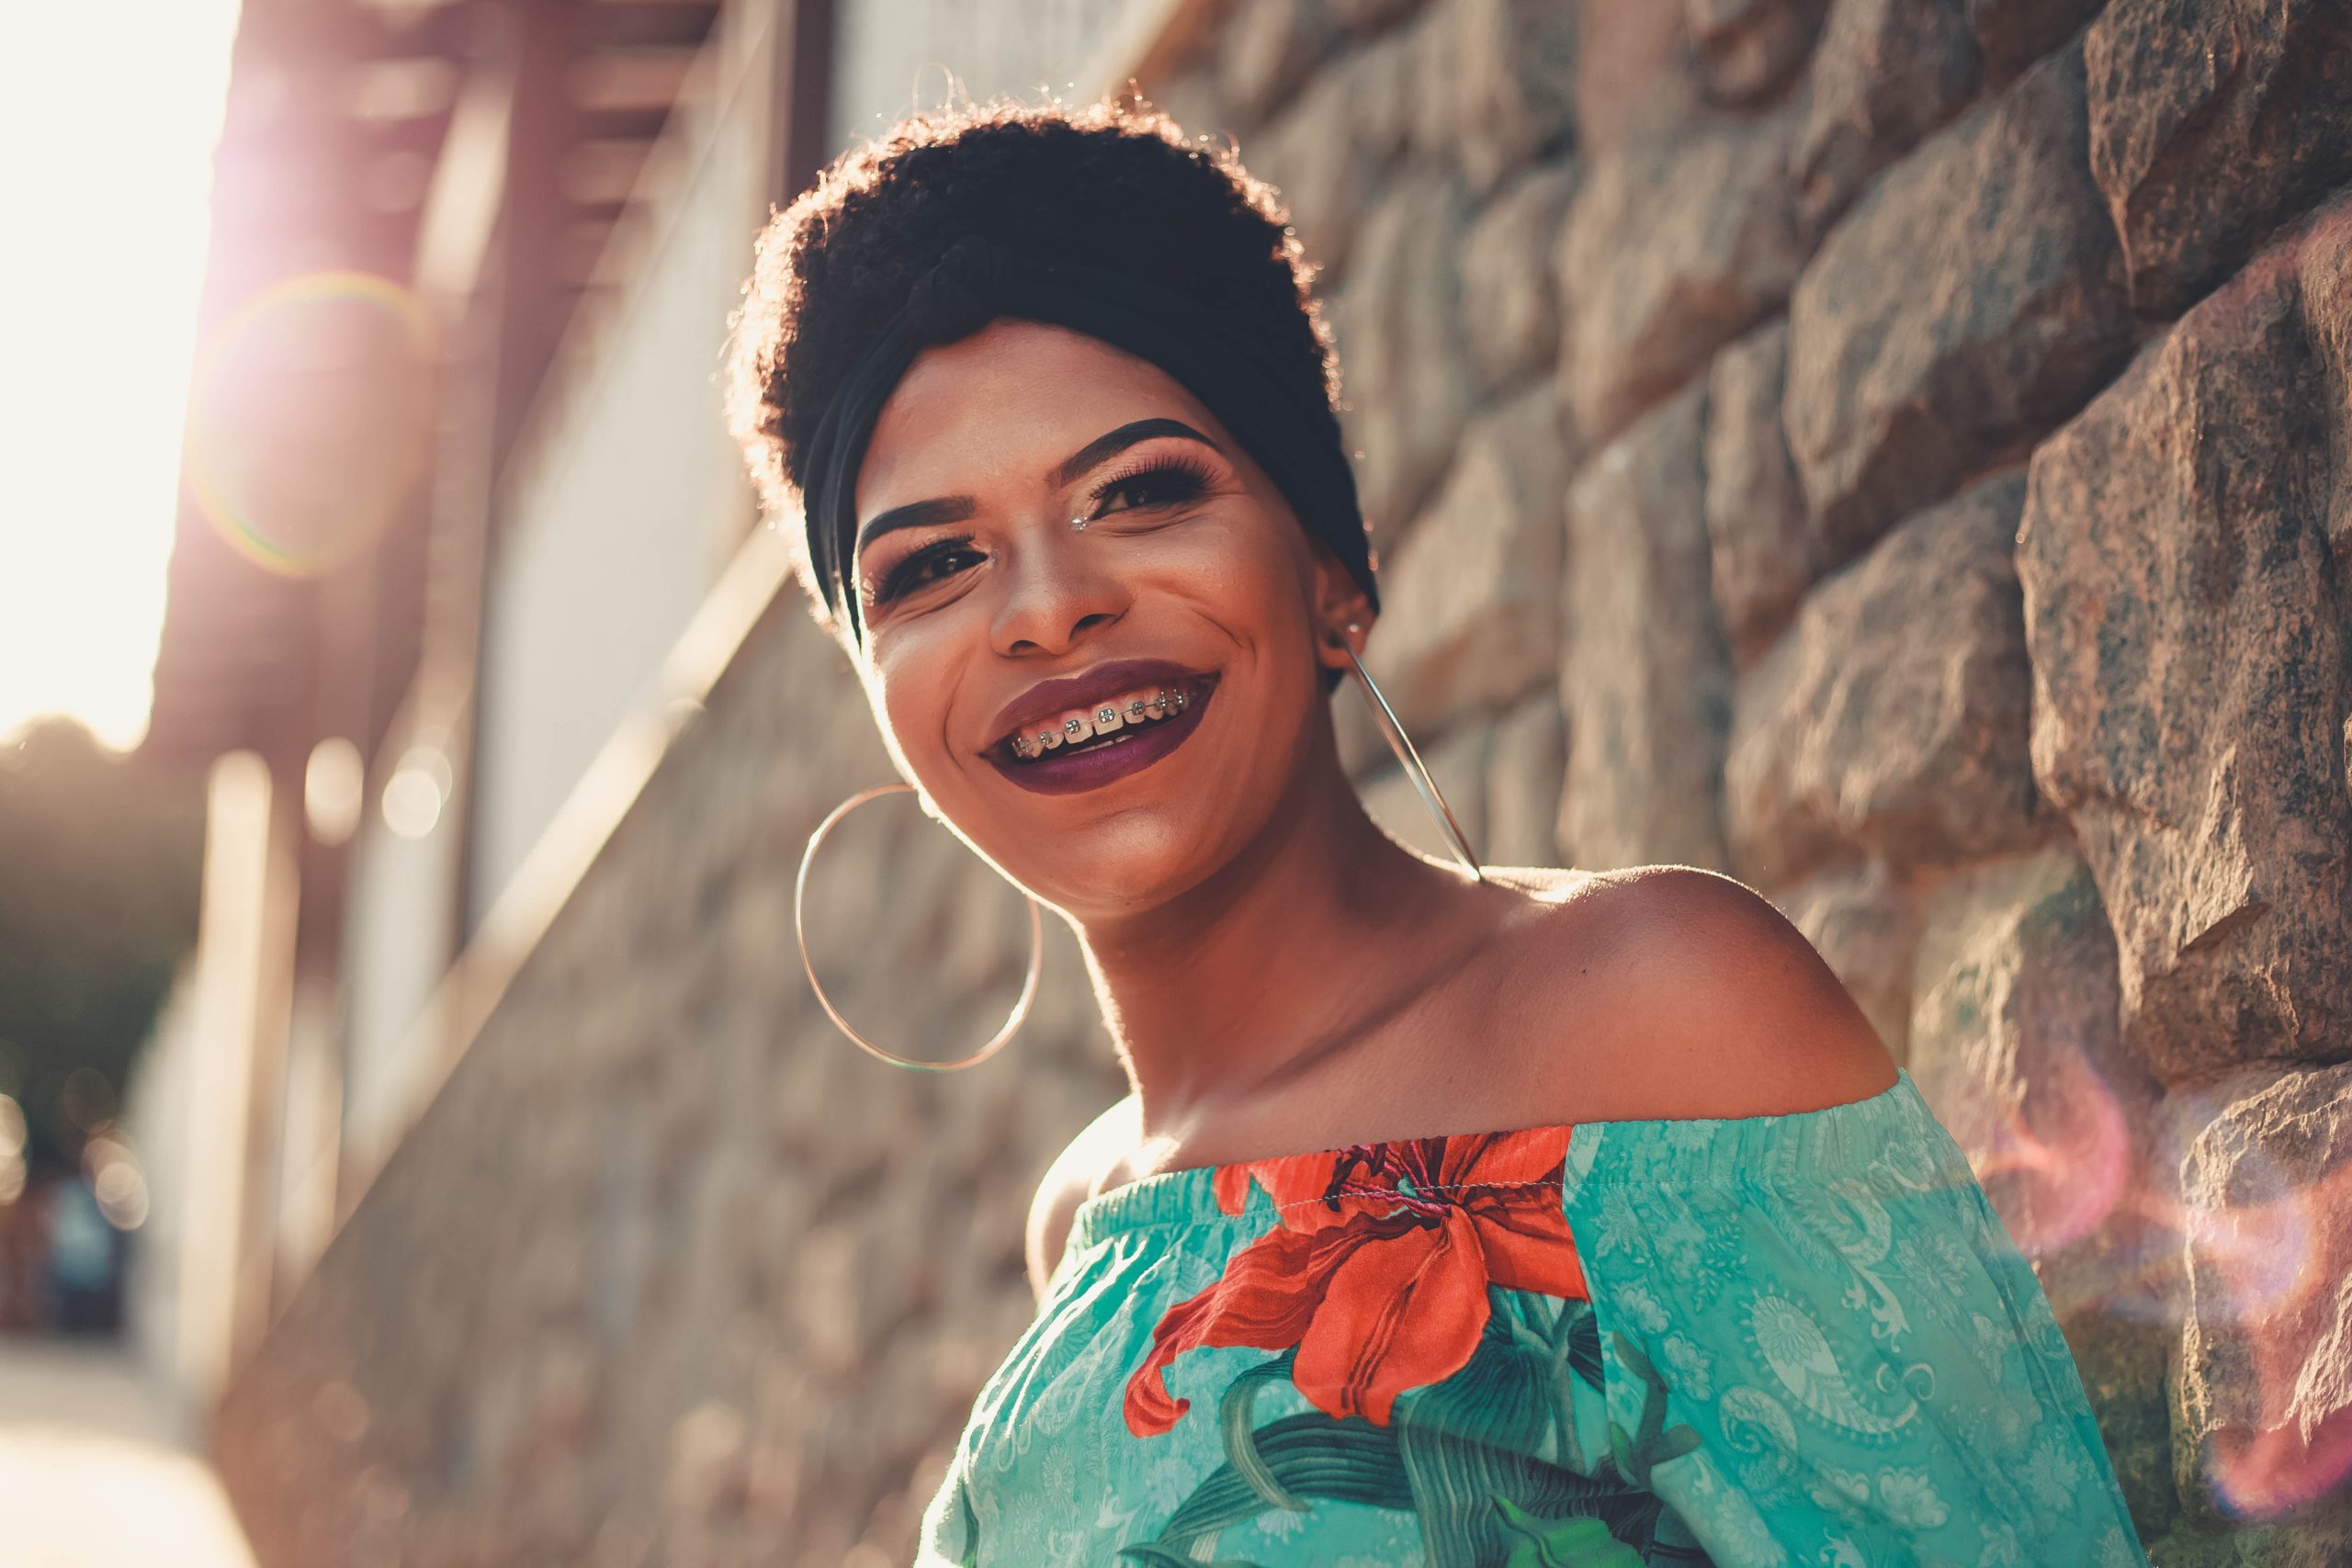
1162,704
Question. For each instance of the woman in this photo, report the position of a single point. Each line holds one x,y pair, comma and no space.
1501,1217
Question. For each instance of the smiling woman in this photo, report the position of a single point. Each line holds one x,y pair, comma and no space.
1485,1217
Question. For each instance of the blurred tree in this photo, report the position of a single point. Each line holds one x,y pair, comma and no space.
100,864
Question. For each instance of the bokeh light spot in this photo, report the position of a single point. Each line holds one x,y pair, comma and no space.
334,788
416,792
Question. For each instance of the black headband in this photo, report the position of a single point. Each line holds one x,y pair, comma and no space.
1282,421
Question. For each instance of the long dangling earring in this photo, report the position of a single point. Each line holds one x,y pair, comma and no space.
1394,733
800,932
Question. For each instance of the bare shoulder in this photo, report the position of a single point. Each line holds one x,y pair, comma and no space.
1070,1181
1672,991
1544,884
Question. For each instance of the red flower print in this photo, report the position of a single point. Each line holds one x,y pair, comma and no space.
1378,1270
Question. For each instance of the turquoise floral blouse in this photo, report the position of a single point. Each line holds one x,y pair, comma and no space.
1799,1339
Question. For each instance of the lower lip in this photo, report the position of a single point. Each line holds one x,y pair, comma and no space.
1058,773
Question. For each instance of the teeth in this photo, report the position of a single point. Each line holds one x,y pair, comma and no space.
1084,723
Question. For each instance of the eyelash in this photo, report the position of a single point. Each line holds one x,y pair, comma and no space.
903,577
1181,478
1186,477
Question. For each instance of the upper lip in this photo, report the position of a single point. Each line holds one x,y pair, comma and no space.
1048,698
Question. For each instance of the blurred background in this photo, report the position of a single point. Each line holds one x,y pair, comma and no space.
1891,451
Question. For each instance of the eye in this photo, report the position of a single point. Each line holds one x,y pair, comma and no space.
1164,481
932,563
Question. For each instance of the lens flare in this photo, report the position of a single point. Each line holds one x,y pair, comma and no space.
310,418
2286,1266
2081,1195
2062,1180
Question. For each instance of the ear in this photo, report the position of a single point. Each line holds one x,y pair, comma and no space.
1341,610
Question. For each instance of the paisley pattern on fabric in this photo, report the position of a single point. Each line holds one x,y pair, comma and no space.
1754,1344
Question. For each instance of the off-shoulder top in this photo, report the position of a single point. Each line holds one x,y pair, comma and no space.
1799,1339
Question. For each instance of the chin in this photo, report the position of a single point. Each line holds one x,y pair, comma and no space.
1139,842
1129,862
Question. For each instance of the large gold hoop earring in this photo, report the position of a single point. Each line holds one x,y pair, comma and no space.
1393,731
800,933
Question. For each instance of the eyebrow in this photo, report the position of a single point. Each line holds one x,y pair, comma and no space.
956,508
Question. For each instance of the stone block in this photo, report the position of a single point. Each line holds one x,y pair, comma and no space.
2016,1046
2211,122
2013,34
1510,307
1513,90
2322,254
1970,301
1644,679
1637,73
1892,716
707,1450
1864,927
1326,174
2188,638
1470,602
1379,77
1524,774
2321,1537
1887,73
1435,43
1748,49
2125,1363
1265,50
1674,246
1758,528
1410,389
2264,1415
1327,147
1492,85
1363,17
1458,764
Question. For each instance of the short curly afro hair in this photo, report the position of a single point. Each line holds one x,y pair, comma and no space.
1115,185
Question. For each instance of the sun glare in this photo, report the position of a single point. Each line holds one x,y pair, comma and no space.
108,124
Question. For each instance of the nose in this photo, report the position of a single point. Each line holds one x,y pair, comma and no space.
1056,588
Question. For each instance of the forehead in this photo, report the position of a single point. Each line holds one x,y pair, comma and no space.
1004,406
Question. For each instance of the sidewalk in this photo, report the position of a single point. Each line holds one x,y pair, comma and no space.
93,1473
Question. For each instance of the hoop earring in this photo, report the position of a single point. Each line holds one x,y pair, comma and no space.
800,933
1394,733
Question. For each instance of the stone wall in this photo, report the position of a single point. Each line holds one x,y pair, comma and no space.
669,1273
1894,451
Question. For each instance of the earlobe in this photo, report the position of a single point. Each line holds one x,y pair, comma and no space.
1332,641
1340,642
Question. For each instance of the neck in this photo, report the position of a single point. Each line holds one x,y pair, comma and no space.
1244,982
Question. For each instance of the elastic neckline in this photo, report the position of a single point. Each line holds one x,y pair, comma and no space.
1706,1148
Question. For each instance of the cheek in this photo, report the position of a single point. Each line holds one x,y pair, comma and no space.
1244,574
909,694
